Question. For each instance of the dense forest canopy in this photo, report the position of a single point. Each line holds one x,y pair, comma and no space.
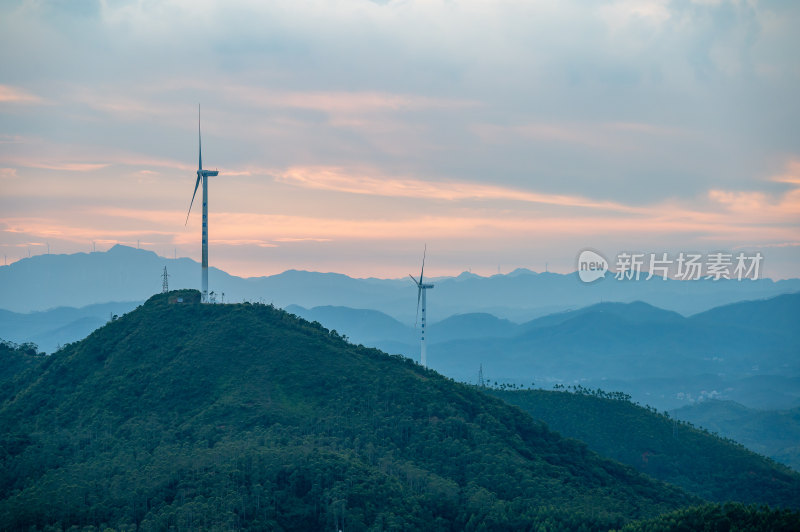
702,463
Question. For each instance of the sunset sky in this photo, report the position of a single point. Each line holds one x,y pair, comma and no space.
349,133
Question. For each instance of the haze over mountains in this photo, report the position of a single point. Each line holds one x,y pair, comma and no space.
128,274
56,327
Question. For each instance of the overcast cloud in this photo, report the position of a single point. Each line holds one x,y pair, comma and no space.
349,133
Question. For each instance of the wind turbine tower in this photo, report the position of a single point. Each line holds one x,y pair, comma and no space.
422,288
202,175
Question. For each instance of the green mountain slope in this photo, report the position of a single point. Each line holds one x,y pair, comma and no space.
716,517
710,467
245,417
16,359
773,433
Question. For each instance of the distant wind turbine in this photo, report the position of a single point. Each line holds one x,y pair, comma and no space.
202,175
421,289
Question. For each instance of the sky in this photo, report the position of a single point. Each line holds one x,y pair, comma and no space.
350,134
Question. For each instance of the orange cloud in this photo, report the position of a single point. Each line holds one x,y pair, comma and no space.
721,218
101,160
257,228
790,175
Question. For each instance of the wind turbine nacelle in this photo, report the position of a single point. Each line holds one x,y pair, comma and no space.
426,286
210,173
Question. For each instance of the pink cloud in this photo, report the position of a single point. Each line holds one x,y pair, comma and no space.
612,136
9,94
68,167
341,102
329,178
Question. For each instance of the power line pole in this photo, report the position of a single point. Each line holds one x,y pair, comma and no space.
164,281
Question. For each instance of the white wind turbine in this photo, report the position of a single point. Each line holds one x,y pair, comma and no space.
202,175
421,289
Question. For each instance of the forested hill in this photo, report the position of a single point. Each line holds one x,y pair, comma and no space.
714,468
246,417
16,359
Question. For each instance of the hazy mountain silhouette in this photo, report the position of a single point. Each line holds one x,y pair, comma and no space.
372,327
471,326
362,326
635,341
128,274
53,328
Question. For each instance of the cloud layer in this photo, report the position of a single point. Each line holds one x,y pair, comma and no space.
350,133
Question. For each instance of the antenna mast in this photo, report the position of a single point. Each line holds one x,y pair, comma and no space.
164,281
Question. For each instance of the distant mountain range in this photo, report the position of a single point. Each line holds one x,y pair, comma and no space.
746,350
55,327
128,274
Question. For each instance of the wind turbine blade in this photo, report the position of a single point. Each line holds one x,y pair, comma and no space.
413,279
197,184
199,143
423,263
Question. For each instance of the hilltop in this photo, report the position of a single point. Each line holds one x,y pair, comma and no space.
244,416
702,463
